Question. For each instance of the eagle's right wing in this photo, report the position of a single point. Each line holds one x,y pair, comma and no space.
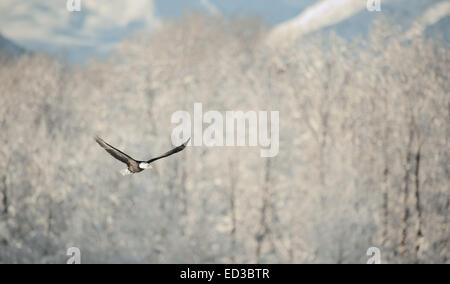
171,152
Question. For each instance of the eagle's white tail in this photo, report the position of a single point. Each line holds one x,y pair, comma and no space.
125,172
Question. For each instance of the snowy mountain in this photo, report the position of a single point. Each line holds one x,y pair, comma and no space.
98,27
352,18
9,47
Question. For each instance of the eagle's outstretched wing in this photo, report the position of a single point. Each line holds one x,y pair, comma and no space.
119,155
171,152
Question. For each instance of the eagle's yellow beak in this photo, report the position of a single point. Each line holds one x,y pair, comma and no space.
150,166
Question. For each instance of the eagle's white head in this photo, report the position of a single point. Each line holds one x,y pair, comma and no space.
145,166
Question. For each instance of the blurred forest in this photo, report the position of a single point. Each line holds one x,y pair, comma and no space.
364,150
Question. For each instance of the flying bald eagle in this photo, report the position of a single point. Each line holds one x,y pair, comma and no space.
135,166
